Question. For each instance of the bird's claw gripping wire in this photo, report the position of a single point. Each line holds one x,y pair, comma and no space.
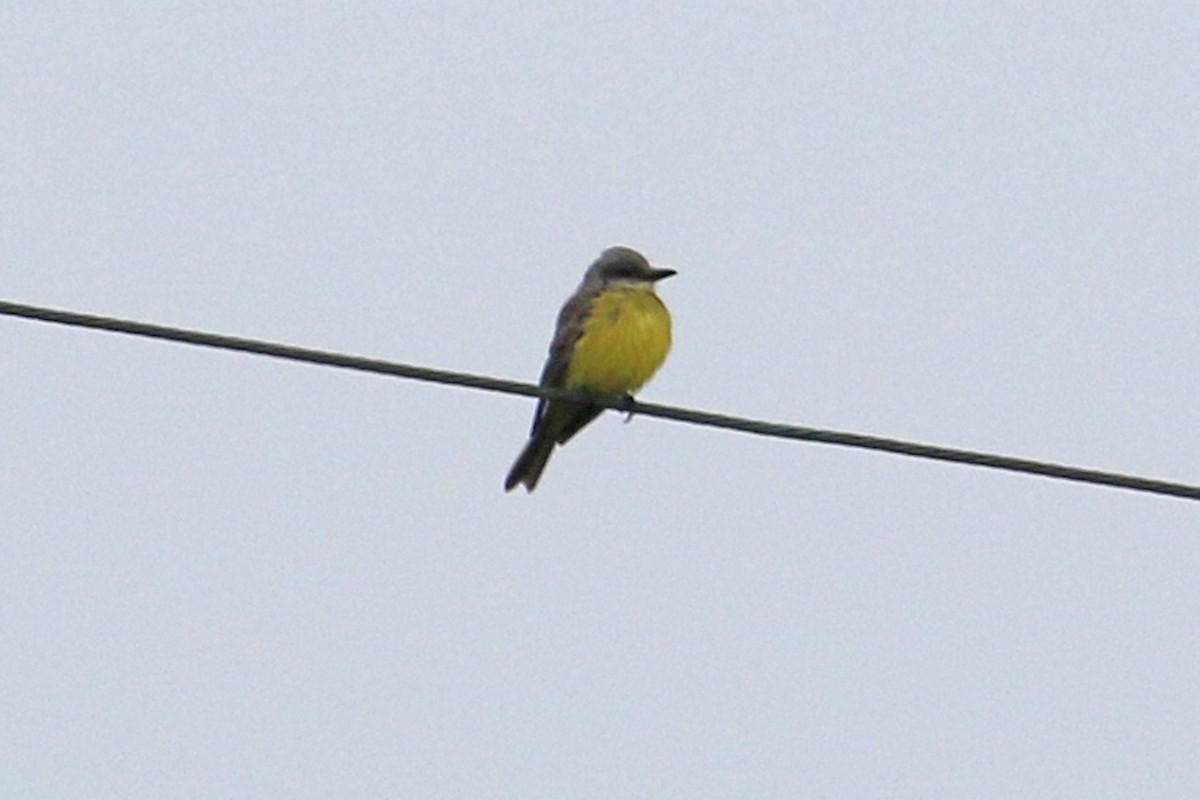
629,406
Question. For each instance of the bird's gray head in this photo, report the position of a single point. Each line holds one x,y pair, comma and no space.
624,265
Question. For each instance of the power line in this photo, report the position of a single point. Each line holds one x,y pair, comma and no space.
759,427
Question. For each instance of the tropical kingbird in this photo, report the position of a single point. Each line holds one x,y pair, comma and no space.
611,337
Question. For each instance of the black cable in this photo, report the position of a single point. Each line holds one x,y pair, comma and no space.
759,427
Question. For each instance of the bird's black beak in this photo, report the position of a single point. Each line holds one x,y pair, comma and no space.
658,274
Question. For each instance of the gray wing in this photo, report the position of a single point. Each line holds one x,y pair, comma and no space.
567,331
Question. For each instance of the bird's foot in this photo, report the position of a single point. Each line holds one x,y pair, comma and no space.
629,406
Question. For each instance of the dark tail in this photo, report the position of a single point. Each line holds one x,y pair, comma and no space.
529,465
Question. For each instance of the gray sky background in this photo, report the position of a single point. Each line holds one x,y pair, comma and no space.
966,224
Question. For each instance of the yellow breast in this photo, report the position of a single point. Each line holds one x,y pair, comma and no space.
625,340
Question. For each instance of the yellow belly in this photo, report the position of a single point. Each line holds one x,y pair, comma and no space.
624,342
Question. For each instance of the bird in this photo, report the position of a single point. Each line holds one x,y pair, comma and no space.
612,335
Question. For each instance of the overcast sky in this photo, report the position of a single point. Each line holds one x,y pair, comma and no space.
966,224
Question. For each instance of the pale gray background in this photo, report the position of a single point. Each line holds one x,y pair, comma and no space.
227,576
